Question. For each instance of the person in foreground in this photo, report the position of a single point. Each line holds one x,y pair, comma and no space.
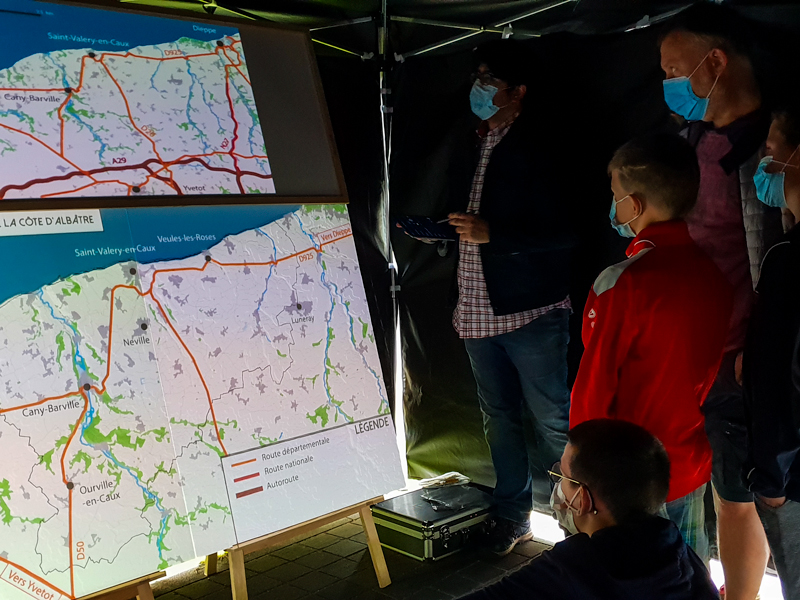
610,485
772,363
655,324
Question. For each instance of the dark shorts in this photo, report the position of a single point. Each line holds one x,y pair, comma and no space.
727,433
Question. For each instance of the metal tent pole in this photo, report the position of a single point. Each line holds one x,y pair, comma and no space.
441,44
491,29
535,11
449,25
386,130
344,23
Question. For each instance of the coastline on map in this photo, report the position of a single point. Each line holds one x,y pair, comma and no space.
64,27
209,162
43,259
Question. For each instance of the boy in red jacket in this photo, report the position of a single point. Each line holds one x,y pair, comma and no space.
655,324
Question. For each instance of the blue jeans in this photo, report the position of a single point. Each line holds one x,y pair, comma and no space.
523,375
782,526
689,514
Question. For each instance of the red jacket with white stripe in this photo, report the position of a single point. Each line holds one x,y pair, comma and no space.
654,329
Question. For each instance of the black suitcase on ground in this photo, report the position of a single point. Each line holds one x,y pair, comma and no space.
432,523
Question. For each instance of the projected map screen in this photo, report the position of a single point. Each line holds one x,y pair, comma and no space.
175,380
103,103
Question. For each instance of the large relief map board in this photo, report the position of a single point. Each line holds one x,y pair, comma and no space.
104,103
177,380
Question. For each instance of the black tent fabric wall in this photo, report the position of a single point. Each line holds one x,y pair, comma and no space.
352,95
591,94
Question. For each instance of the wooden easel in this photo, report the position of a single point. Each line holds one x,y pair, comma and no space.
237,553
138,588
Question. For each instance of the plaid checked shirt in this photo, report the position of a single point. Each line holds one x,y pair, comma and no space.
473,316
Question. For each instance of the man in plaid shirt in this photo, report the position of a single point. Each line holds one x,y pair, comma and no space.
513,307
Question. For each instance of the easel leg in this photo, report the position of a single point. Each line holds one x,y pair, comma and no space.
375,549
238,577
211,564
144,591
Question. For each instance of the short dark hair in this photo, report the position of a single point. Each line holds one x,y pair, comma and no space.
788,120
718,25
660,168
505,59
787,114
621,464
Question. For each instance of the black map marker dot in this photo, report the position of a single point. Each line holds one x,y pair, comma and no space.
144,326
220,43
208,258
299,306
136,189
91,55
87,387
70,485
67,90
133,271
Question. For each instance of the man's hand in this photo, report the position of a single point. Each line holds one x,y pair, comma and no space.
773,502
470,228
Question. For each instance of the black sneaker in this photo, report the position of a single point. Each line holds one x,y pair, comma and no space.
507,534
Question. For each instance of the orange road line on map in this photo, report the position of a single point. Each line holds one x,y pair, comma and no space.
242,74
275,262
197,368
161,308
61,120
108,374
167,164
235,129
102,390
103,55
174,331
156,58
71,560
133,122
83,71
80,189
42,401
46,146
64,479
72,436
149,291
39,579
236,64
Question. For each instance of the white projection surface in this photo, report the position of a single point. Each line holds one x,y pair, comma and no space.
177,380
104,103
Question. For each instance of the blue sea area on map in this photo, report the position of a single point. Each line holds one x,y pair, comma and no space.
29,27
30,262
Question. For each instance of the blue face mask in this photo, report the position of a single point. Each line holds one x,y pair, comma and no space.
624,229
769,186
682,100
481,99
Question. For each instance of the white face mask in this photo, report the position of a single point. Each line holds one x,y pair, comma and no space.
566,518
